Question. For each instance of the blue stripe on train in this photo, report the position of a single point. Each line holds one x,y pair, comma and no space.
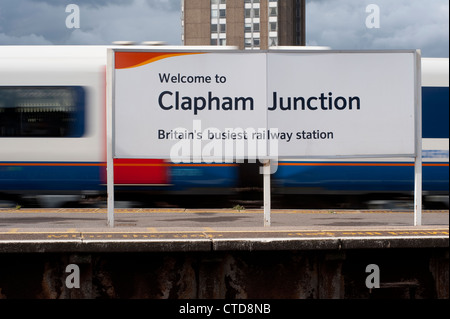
203,177
331,178
90,176
362,178
50,176
435,112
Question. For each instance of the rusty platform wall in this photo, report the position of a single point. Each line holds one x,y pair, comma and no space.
404,274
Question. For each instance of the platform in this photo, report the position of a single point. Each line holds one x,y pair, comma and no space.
175,230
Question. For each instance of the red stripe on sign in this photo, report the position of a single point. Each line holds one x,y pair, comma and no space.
127,60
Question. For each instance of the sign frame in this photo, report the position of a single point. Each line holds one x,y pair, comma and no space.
265,171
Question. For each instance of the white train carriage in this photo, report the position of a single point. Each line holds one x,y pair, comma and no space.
52,118
53,136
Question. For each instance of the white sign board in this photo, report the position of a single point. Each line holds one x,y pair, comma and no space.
212,106
188,105
341,104
219,106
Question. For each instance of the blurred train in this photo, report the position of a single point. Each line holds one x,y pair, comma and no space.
53,141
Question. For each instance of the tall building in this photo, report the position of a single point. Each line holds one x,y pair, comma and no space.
247,24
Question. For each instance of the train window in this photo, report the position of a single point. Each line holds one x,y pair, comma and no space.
44,111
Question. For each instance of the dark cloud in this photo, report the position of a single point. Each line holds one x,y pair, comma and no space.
405,24
101,21
170,5
82,2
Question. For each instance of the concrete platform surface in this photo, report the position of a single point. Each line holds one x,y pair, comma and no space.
135,230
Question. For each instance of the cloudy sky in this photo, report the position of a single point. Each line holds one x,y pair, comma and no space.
339,24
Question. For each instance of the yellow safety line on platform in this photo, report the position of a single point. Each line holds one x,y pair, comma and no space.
206,211
209,235
443,230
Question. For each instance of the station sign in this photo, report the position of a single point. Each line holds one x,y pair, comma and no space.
207,106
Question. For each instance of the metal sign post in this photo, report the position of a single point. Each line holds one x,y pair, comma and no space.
418,139
418,190
109,138
267,192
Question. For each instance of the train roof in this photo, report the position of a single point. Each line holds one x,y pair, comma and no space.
85,51
436,69
437,72
52,51
100,50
